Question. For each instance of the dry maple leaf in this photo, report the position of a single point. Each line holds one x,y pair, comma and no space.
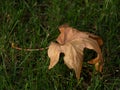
72,43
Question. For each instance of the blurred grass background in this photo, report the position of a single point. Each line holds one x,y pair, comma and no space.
28,23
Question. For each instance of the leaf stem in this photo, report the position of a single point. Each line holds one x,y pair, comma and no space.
27,49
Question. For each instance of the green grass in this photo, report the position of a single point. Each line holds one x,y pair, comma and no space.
28,24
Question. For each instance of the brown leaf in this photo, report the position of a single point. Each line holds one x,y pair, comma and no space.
72,42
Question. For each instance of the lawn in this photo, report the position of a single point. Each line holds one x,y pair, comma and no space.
34,24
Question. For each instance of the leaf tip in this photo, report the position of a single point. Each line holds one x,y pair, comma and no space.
49,67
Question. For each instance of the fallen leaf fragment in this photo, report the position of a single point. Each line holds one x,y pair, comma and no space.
72,43
54,52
